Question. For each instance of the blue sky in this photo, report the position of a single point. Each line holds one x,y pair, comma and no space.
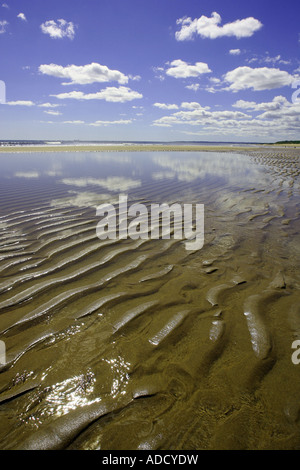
150,70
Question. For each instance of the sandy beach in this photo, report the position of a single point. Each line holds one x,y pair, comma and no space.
119,148
138,148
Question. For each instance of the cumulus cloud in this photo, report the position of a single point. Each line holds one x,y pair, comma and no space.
48,105
277,103
267,59
235,51
202,113
180,69
262,78
280,109
135,77
22,17
259,128
20,103
59,29
193,105
193,86
198,115
159,73
210,27
278,118
3,26
165,106
84,74
215,80
110,94
53,113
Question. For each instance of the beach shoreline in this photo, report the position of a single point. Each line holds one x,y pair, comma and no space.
126,148
143,148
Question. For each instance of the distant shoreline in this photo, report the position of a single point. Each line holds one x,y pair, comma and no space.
139,148
125,148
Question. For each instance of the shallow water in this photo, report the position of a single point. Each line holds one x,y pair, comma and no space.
141,344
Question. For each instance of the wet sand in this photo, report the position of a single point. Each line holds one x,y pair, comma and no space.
142,344
122,148
143,148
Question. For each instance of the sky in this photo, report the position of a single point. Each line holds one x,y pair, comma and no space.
142,70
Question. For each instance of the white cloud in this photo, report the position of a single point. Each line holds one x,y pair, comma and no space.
59,29
22,17
211,89
135,77
20,103
193,86
266,59
165,106
3,26
48,105
53,113
280,119
209,27
193,105
110,94
198,115
251,61
215,80
107,123
159,73
84,74
216,85
181,69
277,103
4,5
285,111
263,78
273,60
235,51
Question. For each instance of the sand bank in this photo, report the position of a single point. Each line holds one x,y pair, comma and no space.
128,148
